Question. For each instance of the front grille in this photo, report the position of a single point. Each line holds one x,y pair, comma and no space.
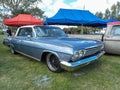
91,51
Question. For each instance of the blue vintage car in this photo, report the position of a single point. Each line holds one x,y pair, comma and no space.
51,44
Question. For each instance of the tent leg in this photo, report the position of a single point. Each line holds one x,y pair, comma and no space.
81,29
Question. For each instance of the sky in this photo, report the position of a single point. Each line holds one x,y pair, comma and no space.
52,6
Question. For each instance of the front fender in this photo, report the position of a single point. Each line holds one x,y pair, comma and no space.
49,51
61,56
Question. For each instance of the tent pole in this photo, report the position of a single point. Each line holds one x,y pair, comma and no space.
81,29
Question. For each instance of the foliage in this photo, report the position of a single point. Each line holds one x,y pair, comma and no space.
99,14
107,14
1,32
113,12
78,30
16,7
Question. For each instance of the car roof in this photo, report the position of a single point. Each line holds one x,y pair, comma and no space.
29,26
37,25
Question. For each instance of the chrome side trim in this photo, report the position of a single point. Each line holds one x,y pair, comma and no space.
111,40
28,55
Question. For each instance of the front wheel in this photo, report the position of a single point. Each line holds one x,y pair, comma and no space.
12,50
53,63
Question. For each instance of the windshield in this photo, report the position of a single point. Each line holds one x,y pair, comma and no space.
46,31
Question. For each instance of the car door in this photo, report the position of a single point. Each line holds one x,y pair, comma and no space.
16,41
112,41
26,43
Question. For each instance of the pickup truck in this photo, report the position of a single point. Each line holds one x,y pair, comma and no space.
51,44
111,38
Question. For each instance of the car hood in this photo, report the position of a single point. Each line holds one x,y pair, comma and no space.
75,43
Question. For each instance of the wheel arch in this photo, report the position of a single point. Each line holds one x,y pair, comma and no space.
46,52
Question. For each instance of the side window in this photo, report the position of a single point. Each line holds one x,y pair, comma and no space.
25,32
21,32
39,31
115,31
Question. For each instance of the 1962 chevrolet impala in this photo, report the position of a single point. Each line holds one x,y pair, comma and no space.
52,45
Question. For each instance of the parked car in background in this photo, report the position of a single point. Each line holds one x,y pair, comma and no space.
111,38
51,44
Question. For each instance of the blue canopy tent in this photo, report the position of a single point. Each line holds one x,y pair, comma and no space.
75,17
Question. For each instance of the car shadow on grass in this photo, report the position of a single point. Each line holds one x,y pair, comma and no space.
94,66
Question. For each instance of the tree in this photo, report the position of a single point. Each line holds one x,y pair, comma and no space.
16,7
118,11
114,11
107,14
99,14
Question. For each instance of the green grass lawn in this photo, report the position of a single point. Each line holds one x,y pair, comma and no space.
18,72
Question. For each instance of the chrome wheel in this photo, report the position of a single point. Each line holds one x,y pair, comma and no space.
53,63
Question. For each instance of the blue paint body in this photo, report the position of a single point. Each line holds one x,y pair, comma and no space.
36,43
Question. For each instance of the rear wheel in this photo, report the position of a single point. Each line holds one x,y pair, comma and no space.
53,63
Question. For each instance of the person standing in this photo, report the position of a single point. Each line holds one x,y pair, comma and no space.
9,32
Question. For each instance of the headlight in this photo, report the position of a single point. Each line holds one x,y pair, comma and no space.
78,54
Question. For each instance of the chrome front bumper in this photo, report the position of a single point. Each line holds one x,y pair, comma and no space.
70,66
